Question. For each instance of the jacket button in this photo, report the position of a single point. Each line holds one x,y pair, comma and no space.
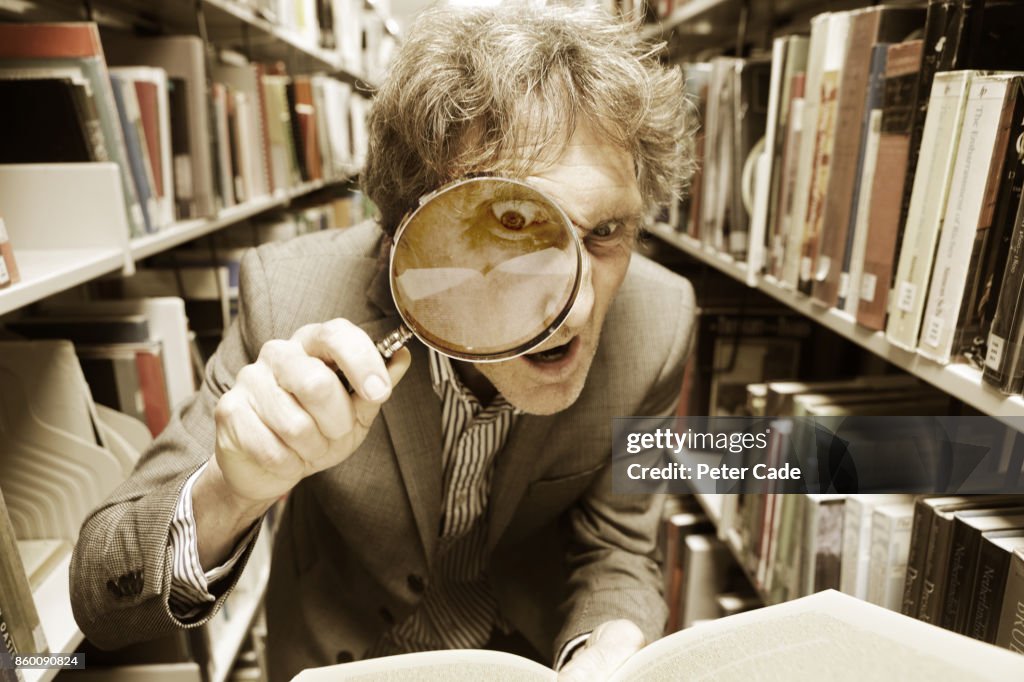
386,616
416,583
344,657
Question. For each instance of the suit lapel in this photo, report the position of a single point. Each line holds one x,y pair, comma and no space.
413,418
517,461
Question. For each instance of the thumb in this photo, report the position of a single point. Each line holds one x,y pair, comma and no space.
610,645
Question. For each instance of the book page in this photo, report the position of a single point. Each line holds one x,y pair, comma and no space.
469,665
827,635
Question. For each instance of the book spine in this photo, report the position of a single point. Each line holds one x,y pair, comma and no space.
1010,634
903,63
796,267
134,154
896,560
987,592
824,136
88,117
933,588
975,176
856,73
881,538
939,143
1003,366
963,555
853,259
919,535
8,649
787,189
936,26
988,262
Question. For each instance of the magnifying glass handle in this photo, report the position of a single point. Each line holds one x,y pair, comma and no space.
387,347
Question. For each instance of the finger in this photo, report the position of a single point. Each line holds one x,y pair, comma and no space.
239,428
398,365
279,410
608,648
313,385
355,354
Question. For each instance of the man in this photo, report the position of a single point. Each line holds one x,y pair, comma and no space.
476,510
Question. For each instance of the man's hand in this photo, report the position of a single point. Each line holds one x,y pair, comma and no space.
287,417
604,652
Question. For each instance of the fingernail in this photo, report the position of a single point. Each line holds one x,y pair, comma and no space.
375,388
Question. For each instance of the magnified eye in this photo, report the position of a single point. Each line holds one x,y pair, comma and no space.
515,215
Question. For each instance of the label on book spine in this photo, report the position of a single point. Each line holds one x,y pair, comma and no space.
994,356
844,284
905,297
867,286
805,268
933,331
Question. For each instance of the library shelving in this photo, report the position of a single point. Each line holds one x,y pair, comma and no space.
959,380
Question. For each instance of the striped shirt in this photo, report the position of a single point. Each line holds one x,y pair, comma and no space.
458,609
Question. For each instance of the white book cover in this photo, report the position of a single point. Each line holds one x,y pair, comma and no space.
812,93
705,570
963,210
857,540
891,527
939,144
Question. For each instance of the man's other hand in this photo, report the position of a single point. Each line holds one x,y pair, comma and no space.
608,647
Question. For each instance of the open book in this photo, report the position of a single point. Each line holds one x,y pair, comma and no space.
828,635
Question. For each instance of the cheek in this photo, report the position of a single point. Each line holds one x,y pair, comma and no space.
607,275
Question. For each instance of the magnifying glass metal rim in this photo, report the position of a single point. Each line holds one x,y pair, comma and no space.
412,329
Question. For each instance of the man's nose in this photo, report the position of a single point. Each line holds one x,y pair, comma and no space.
583,306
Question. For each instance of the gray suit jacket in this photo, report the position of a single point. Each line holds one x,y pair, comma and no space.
356,543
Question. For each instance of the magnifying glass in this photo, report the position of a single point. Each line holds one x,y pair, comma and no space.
485,269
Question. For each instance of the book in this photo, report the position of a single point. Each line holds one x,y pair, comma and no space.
991,576
974,186
989,252
152,93
848,292
135,143
791,641
1004,368
939,143
1010,633
857,534
789,57
891,526
795,266
9,273
705,573
868,27
902,66
968,529
822,542
674,531
49,117
822,136
184,60
48,45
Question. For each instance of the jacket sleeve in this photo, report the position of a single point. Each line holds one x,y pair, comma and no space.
612,559
121,566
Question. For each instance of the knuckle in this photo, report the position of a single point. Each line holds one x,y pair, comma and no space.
317,385
227,406
273,349
296,428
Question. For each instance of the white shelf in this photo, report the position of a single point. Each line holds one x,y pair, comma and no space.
961,381
48,272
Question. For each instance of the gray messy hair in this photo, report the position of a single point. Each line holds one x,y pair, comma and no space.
471,89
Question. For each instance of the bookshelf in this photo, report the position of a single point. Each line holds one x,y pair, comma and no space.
85,235
959,380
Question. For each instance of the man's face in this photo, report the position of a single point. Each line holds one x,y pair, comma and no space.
594,183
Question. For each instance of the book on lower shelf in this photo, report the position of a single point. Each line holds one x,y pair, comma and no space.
827,633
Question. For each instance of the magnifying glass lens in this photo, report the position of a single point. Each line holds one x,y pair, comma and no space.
485,269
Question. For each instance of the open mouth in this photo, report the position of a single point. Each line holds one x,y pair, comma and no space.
552,354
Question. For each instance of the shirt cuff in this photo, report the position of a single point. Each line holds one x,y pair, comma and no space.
570,648
190,584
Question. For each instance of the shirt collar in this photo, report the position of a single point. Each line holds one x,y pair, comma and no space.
442,374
